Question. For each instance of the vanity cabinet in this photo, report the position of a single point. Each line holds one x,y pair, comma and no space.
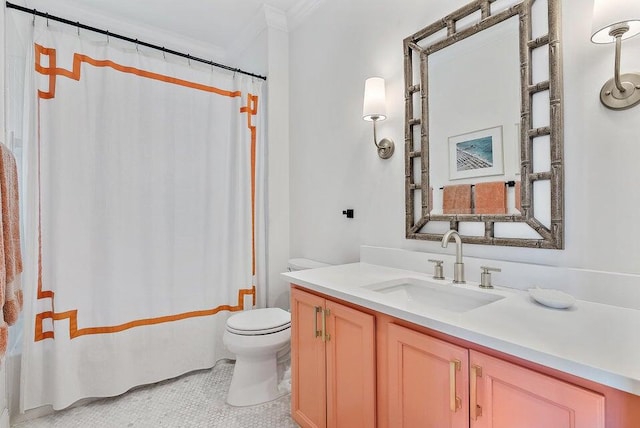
332,363
433,383
355,367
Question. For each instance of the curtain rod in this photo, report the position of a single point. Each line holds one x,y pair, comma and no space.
129,39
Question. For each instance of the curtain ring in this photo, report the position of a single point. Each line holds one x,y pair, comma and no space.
78,27
33,22
107,36
189,60
47,16
164,53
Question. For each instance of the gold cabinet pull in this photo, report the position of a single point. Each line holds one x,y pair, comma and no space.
476,410
325,336
316,332
455,402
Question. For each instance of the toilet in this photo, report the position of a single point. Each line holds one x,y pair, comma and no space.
260,340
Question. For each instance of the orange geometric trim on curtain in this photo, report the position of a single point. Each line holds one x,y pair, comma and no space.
72,316
74,331
252,109
52,71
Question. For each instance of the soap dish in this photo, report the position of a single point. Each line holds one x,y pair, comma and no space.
552,298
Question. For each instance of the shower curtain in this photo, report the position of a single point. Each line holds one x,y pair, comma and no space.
142,178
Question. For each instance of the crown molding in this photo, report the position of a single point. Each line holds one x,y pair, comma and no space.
301,11
275,18
272,17
267,17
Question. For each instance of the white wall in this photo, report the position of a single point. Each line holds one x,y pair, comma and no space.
334,165
278,168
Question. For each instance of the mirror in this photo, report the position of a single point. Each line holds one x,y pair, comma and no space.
486,83
474,131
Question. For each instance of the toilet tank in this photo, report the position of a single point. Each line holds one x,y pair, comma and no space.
302,264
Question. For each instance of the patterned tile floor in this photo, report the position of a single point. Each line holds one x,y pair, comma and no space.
195,400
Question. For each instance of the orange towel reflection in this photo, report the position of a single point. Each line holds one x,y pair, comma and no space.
491,198
456,199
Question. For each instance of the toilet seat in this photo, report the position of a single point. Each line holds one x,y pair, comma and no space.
259,322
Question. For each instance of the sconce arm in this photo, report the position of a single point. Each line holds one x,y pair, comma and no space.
375,137
623,90
619,85
386,146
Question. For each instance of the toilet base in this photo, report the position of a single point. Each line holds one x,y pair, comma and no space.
254,381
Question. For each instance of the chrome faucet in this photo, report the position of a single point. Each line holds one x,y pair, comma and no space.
458,267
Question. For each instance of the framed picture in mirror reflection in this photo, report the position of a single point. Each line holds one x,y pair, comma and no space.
476,154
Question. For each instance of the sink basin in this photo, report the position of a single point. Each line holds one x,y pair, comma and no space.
416,292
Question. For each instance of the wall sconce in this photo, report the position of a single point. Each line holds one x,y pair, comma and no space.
375,109
614,21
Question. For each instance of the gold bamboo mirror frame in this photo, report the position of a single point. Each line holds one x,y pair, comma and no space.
525,226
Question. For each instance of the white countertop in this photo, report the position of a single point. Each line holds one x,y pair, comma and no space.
594,341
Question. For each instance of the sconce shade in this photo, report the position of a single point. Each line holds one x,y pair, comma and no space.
375,106
610,14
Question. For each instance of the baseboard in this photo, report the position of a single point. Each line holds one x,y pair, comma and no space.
31,414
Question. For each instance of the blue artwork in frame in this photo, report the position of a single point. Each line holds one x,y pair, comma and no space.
476,154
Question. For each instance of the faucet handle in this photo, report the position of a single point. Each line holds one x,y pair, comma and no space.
485,276
438,272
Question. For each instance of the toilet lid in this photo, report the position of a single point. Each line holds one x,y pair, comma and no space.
259,321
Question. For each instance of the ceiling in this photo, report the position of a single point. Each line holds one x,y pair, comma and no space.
213,22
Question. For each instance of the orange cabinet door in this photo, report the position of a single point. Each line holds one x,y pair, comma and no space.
308,364
351,367
427,380
504,395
